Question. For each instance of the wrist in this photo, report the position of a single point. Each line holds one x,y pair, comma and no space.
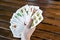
25,38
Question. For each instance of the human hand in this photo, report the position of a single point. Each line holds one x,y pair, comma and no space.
28,31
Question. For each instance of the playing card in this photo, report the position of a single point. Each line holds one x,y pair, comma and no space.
20,29
33,9
13,30
17,31
24,11
17,19
37,18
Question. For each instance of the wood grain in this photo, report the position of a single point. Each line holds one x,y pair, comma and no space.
48,29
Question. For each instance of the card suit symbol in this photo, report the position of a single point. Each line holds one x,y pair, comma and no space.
22,10
24,23
37,14
32,24
27,12
25,9
36,21
34,17
34,11
39,18
31,9
15,16
14,26
19,14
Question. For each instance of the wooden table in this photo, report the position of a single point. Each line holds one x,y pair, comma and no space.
48,29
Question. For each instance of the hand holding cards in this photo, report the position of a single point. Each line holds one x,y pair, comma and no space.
22,17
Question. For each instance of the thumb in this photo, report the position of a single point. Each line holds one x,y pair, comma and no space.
30,23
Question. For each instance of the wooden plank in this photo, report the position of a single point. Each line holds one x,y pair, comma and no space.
4,21
4,25
7,13
51,28
10,6
4,17
43,5
4,38
13,5
55,2
35,38
53,7
53,11
51,21
7,38
43,1
32,3
5,33
7,8
46,35
51,15
18,2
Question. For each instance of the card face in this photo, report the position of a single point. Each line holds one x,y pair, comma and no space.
23,9
33,9
37,18
18,20
17,32
12,29
20,29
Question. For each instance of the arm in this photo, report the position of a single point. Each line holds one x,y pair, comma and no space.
28,32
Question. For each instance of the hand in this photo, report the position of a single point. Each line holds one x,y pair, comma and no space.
28,31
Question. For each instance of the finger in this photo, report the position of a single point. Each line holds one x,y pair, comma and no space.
31,31
34,11
30,23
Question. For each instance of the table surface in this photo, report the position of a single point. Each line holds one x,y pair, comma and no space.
48,29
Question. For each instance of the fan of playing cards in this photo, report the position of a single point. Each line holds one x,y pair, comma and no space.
22,17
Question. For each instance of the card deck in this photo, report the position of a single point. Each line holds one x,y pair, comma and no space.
22,17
